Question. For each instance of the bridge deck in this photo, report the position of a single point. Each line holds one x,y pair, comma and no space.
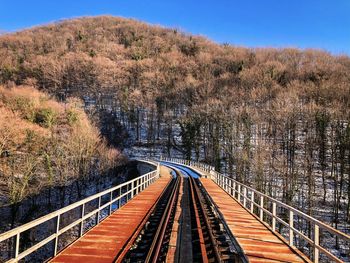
103,242
257,241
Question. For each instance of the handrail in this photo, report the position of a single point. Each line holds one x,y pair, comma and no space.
247,197
133,187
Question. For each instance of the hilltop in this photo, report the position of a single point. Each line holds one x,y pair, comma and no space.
146,63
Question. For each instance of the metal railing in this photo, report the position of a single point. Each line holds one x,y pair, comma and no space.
117,197
263,206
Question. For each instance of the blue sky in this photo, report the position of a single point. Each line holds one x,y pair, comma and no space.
321,24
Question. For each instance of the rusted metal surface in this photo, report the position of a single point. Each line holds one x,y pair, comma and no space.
104,242
257,241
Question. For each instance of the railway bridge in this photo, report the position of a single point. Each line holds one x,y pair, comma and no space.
181,211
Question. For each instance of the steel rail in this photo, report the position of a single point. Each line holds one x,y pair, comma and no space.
154,252
120,256
199,228
195,197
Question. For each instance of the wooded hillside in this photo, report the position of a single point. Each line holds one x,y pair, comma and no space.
277,119
44,143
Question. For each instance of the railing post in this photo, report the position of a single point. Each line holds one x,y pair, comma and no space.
230,184
239,193
291,225
56,238
137,187
317,242
261,208
120,199
234,189
252,202
110,203
82,219
244,196
17,245
132,190
98,211
273,216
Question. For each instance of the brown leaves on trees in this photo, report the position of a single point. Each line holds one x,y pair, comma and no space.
44,143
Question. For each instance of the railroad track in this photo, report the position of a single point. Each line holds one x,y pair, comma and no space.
200,233
148,243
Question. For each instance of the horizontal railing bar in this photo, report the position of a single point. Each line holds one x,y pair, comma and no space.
267,211
302,235
92,213
33,248
282,221
296,211
328,254
61,211
73,224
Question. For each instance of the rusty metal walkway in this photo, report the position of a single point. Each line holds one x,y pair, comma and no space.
267,229
104,242
257,241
